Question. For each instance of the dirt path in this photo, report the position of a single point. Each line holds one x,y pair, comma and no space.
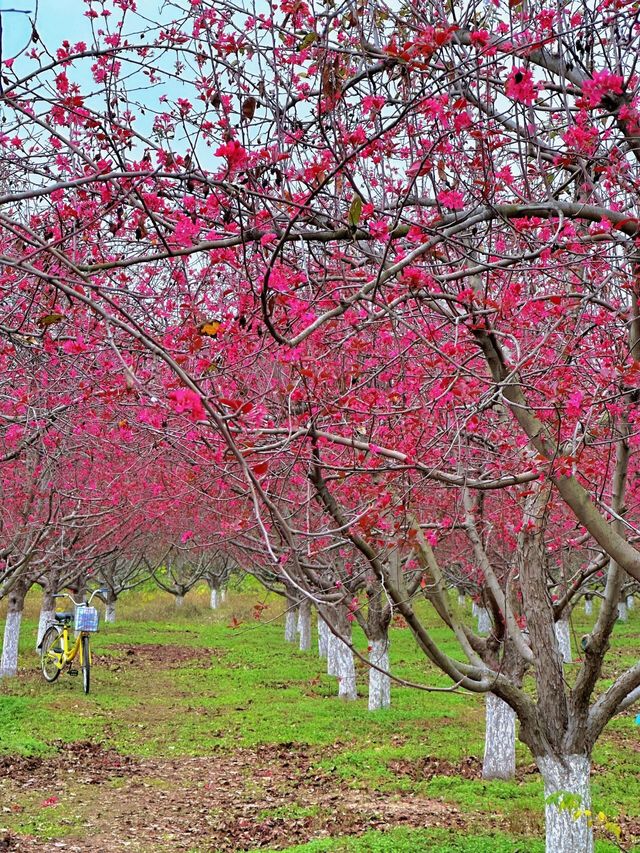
272,796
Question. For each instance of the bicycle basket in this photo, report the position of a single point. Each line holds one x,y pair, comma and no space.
87,619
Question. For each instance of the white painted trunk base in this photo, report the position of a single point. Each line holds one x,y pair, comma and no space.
179,600
223,595
499,739
304,626
213,601
290,623
622,611
588,606
46,616
346,672
563,636
461,600
474,610
323,638
110,612
9,660
484,622
332,653
379,682
629,602
566,833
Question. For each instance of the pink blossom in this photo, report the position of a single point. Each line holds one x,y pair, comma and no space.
546,18
461,121
372,103
235,155
62,83
379,229
14,434
452,199
574,404
479,38
153,417
521,87
358,136
75,346
187,401
602,83
185,231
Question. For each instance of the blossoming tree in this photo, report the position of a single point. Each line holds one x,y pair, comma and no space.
387,255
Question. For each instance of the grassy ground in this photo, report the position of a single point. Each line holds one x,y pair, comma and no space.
202,737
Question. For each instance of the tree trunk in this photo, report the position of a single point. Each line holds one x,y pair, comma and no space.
223,595
563,636
9,660
622,611
46,617
461,600
379,682
569,774
81,588
629,602
346,669
213,602
290,621
588,606
323,637
332,653
484,621
304,625
500,739
47,610
474,609
110,612
179,600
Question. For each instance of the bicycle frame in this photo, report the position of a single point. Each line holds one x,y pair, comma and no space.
69,651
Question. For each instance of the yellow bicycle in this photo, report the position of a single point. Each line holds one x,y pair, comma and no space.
57,649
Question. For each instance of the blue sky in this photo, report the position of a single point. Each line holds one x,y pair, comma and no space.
57,20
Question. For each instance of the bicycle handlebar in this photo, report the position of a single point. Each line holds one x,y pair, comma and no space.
80,603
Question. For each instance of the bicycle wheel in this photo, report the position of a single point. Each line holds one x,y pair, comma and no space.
86,664
51,653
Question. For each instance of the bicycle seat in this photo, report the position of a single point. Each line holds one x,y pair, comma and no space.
65,616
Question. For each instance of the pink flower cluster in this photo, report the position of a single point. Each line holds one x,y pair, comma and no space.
601,83
234,153
452,199
521,86
184,400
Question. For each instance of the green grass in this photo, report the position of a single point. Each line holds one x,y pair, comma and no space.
403,840
246,687
417,841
